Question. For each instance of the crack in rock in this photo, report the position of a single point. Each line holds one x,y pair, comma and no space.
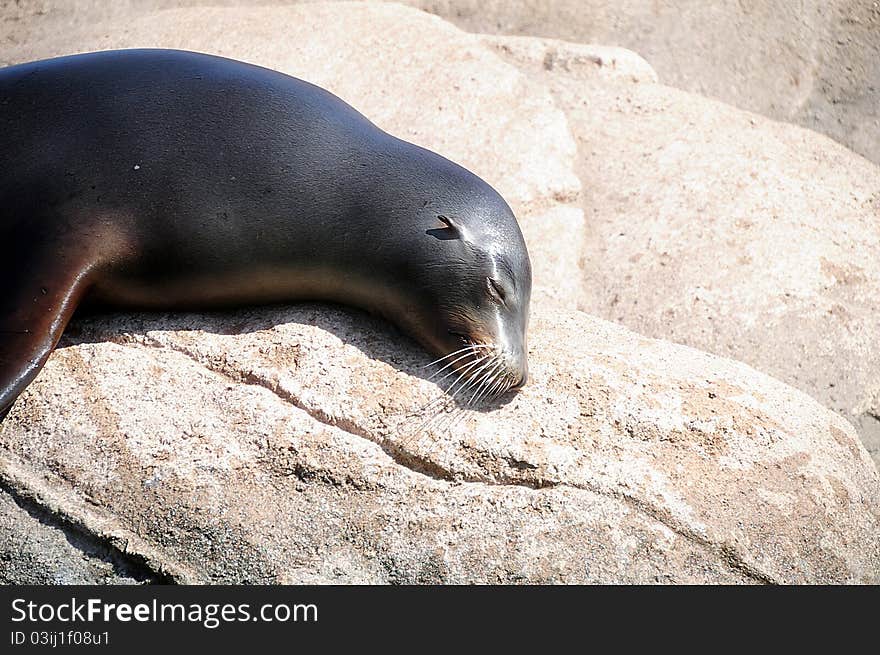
410,461
125,563
725,552
424,466
91,541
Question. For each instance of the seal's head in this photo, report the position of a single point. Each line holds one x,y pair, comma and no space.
448,264
469,286
482,316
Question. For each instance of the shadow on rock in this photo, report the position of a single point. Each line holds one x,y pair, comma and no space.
351,326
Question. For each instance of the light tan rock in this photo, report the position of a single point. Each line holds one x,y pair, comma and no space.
728,232
280,446
576,59
813,62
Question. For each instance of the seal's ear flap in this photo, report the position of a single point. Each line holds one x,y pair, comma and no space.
450,223
452,231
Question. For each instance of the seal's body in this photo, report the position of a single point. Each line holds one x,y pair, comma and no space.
161,179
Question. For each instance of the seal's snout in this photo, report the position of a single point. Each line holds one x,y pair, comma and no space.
522,375
518,365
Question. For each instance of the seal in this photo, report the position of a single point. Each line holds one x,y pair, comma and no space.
165,180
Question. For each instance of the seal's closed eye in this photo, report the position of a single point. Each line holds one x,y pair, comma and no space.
496,290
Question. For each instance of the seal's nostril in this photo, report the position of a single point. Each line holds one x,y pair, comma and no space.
520,375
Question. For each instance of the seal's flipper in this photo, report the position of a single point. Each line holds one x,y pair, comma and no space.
38,301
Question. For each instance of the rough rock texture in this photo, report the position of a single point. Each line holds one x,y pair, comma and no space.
722,230
812,62
286,445
36,547
280,446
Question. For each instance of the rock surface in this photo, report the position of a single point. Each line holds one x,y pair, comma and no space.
38,548
721,230
281,445
813,62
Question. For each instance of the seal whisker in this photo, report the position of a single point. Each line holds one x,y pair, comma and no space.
465,372
483,378
492,373
435,418
503,387
454,371
450,421
471,347
460,357
495,389
461,415
461,372
478,379
485,392
437,406
447,419
478,375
